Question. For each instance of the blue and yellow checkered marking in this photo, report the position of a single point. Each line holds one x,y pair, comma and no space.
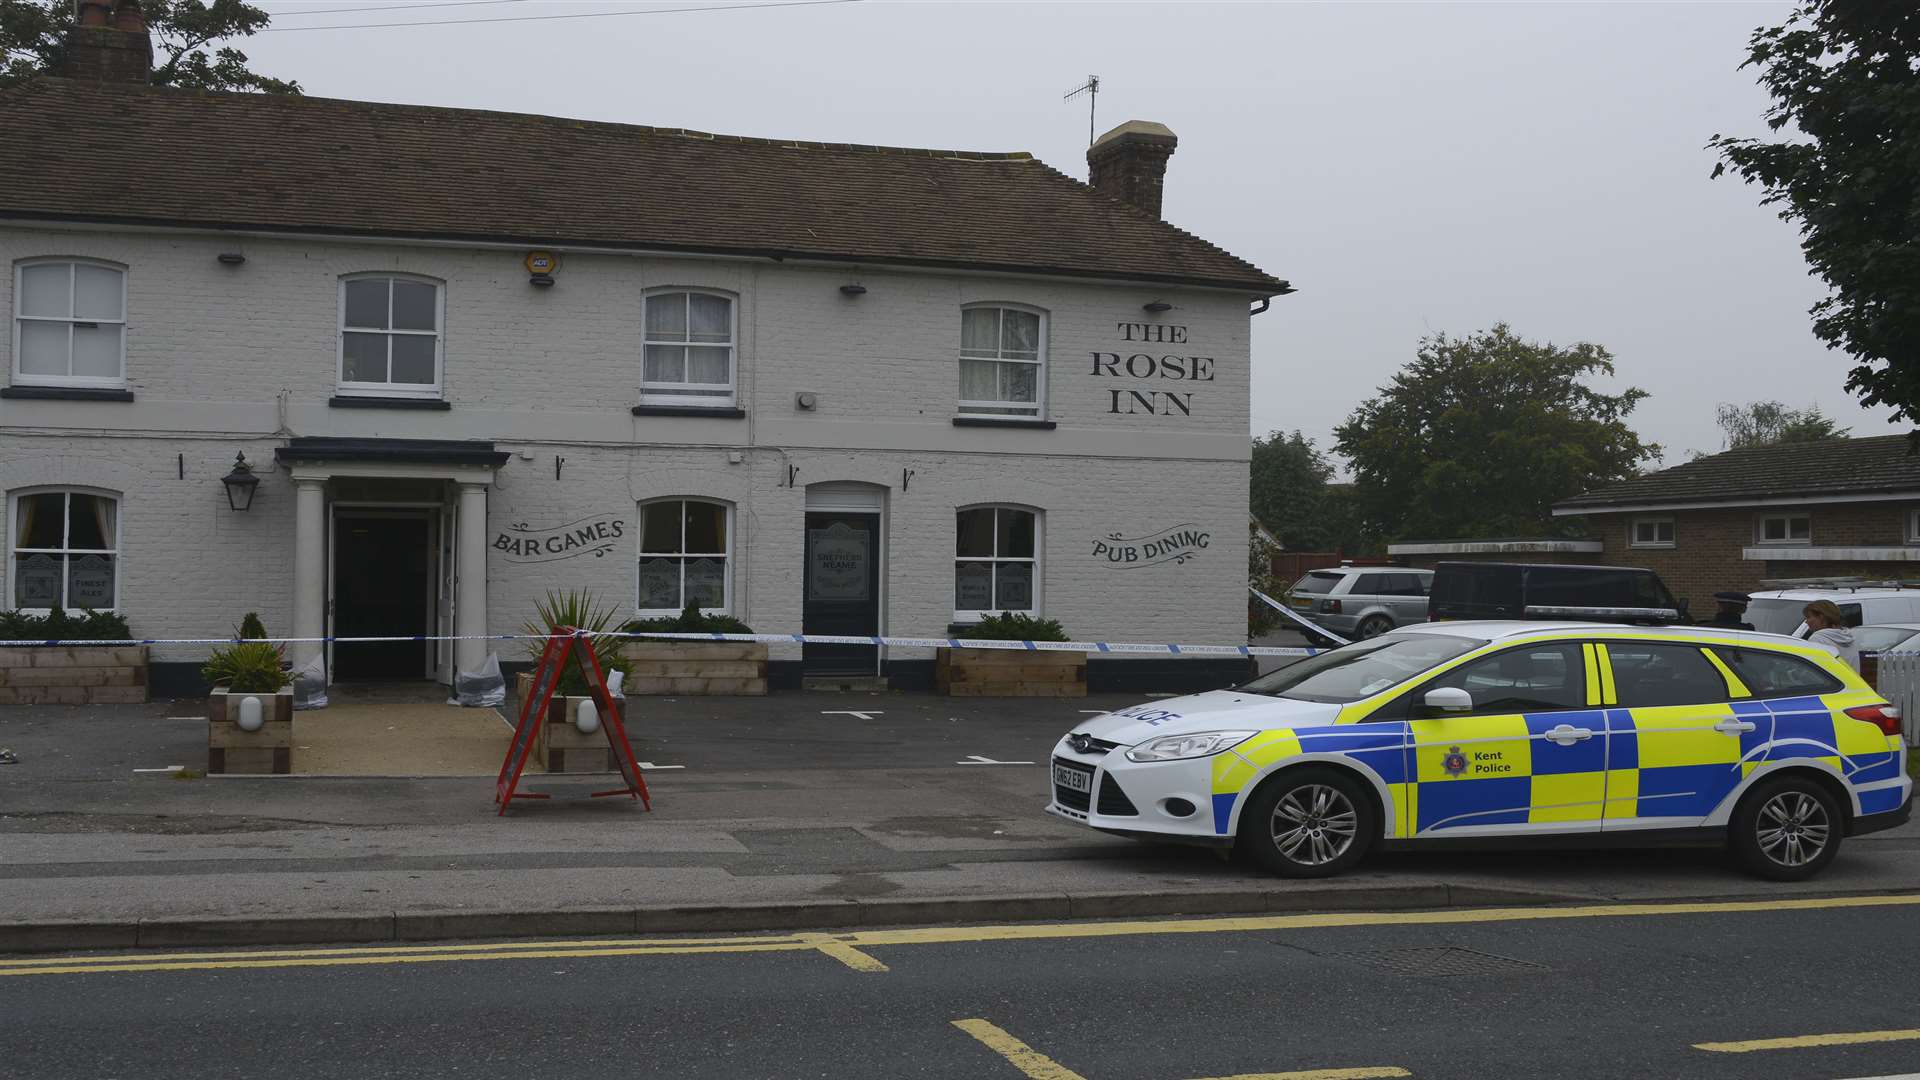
1639,763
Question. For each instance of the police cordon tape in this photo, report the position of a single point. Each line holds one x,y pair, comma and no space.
771,639
801,639
1304,623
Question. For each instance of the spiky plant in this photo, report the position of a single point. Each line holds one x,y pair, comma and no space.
581,611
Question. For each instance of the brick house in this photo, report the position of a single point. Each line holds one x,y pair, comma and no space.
1736,520
1425,554
476,356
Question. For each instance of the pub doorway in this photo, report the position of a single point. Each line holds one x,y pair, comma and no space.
842,577
385,584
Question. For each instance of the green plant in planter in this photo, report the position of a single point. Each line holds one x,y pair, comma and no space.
690,621
58,625
251,667
1012,626
581,611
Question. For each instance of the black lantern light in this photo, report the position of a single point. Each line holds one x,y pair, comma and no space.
240,483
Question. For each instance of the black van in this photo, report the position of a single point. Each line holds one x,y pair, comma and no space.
1490,590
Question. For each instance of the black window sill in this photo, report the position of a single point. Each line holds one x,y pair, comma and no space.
64,393
689,410
344,401
1003,421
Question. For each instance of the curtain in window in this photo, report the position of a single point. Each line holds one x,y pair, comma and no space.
979,380
687,354
64,550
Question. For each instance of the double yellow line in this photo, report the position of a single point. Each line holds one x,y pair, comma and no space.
848,948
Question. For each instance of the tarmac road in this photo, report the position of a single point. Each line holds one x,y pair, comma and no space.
1775,988
784,808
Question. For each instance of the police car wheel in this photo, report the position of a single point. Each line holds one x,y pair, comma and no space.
1374,626
1786,829
1311,822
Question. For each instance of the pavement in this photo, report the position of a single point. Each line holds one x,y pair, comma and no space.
796,810
1772,988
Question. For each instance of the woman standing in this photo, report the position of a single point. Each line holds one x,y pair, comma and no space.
1826,626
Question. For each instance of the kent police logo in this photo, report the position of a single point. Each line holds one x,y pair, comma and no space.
1455,762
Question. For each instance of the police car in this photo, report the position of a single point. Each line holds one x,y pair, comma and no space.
1507,731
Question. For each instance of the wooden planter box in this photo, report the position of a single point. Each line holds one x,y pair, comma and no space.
565,749
1009,673
73,675
696,667
230,749
561,747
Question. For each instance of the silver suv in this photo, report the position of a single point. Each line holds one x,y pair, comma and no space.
1362,601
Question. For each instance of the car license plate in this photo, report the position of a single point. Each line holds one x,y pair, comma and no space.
1303,605
1073,779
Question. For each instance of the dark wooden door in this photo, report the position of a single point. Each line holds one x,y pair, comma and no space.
842,591
380,589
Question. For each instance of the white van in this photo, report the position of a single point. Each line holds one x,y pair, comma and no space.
1778,611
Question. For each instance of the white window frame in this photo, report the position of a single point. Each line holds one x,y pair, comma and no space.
716,395
640,543
1633,532
1760,530
962,615
439,335
992,409
21,378
1913,526
66,509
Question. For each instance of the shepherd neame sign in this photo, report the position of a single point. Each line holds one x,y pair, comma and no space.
587,536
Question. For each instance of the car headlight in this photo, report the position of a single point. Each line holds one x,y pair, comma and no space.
1174,747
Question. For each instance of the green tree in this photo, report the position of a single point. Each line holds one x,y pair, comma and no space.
1844,76
1480,435
1764,423
1287,483
33,39
1348,527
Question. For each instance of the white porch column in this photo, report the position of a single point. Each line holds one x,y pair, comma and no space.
470,590
309,567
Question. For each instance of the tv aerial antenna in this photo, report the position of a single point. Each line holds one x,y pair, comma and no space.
1091,88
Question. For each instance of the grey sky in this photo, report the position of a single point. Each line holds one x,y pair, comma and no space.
1409,166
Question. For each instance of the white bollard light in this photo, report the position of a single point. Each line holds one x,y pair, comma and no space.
250,714
587,718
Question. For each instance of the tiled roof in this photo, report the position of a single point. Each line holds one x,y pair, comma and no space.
1884,463
143,155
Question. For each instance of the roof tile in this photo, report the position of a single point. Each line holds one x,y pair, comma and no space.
1812,470
146,155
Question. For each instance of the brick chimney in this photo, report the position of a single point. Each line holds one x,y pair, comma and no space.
109,43
1130,163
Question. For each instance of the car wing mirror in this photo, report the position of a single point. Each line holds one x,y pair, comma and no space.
1448,699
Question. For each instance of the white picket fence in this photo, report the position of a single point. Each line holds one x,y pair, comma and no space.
1899,682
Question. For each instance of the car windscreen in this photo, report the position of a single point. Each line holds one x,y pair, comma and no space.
1317,582
1880,638
1775,615
1362,669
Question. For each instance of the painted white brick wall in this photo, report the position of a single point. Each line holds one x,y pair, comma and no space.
239,358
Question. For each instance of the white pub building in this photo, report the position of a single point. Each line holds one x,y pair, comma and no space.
473,357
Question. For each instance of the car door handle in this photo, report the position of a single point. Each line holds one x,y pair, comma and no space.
1733,726
1567,734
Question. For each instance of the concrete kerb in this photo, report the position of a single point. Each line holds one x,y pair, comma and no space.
741,918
